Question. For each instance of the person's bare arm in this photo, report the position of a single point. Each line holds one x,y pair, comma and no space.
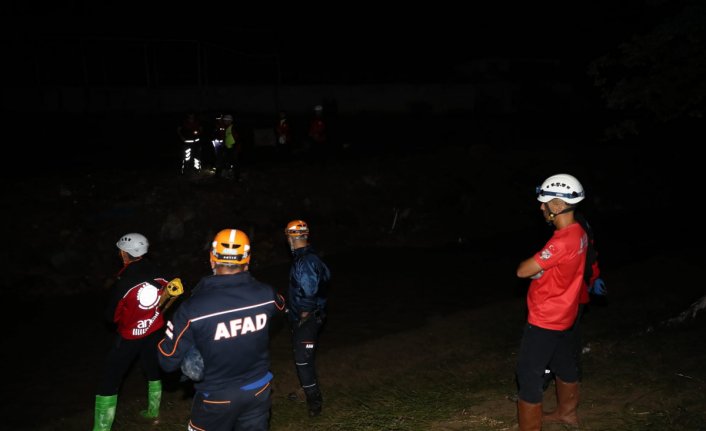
528,268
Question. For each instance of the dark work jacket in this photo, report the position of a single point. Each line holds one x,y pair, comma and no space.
308,283
227,320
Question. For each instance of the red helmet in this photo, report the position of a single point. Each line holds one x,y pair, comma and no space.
231,246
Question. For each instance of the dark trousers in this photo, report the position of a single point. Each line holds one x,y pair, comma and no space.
232,409
541,348
122,354
191,156
305,339
576,340
226,162
577,347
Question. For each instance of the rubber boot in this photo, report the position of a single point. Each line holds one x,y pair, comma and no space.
567,399
154,398
314,400
529,416
104,412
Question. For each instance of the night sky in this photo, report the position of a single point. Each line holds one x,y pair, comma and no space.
348,47
81,48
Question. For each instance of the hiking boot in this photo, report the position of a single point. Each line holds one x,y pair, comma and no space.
314,410
314,401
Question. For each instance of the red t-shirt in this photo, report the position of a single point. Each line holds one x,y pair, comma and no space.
553,299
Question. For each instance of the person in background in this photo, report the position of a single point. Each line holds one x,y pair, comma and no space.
318,136
134,308
227,165
283,134
593,287
219,337
189,132
557,271
309,278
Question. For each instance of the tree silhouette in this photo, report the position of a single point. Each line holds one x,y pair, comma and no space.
657,76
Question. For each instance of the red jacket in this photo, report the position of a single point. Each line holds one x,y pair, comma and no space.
135,298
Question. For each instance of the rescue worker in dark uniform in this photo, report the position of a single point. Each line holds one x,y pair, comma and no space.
227,161
134,307
218,136
225,326
190,135
309,278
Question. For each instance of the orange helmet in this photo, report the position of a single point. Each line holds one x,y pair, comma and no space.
231,246
297,229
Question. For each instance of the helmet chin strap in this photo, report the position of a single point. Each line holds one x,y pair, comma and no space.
551,216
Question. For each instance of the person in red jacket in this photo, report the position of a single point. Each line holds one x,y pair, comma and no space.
134,309
557,271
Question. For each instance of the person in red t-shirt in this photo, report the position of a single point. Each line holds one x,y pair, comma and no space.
593,286
133,308
553,302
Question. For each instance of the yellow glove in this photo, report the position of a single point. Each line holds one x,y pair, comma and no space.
175,288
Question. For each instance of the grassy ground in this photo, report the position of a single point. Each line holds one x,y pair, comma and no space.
418,338
456,373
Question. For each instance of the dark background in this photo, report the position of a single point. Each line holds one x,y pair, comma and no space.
75,181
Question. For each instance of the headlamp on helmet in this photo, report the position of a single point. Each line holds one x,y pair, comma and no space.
230,246
297,229
561,186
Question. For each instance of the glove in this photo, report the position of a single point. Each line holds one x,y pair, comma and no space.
192,365
175,288
598,288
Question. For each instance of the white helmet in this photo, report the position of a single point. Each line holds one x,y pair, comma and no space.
227,117
134,244
561,186
318,108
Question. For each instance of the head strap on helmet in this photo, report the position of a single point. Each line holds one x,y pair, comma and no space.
561,195
230,246
297,229
561,186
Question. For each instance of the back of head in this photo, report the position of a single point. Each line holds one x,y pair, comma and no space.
561,186
134,244
230,247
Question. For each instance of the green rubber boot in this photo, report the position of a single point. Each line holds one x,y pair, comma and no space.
154,398
104,412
